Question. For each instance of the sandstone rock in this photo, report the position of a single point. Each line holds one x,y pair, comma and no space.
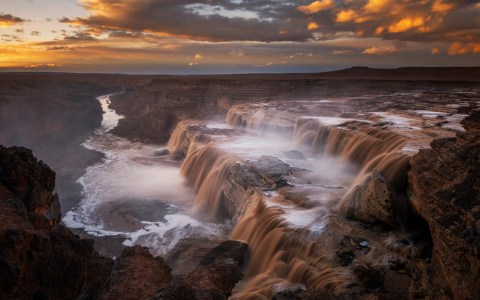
370,201
214,275
136,275
445,191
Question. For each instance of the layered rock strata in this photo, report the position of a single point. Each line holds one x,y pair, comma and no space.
445,191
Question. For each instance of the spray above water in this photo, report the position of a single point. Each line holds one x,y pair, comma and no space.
133,194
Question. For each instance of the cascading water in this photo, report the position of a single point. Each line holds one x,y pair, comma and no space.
281,227
283,181
134,194
287,228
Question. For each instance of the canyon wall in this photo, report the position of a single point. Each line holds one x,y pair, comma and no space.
445,191
53,114
358,259
152,109
42,259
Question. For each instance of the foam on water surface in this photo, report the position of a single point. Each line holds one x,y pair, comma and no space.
135,194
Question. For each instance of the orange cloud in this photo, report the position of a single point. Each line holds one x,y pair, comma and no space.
379,30
375,6
458,48
316,6
346,16
380,50
435,51
7,20
406,24
440,7
312,26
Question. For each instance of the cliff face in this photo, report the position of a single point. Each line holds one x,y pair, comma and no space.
152,109
41,259
445,191
38,257
53,114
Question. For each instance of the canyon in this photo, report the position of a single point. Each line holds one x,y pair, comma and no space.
356,184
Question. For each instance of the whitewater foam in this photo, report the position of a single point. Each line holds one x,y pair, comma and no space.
135,194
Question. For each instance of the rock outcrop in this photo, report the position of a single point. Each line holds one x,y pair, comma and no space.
42,259
205,269
445,191
136,275
39,259
370,201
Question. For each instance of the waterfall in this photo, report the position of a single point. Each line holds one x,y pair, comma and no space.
286,229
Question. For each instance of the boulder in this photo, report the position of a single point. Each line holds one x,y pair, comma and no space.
211,276
370,201
136,275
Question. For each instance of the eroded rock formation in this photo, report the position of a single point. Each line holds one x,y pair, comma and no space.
38,258
445,191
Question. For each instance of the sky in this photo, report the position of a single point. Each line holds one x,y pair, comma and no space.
235,36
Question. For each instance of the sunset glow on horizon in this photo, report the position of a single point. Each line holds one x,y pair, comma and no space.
235,36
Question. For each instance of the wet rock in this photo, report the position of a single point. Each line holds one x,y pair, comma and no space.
270,171
370,201
445,191
214,274
136,275
161,152
294,154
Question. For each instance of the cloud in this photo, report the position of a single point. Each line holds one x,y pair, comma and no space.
346,16
342,52
276,21
380,50
442,7
238,53
42,66
60,48
221,20
80,36
312,26
435,51
422,21
376,6
316,6
7,20
458,48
